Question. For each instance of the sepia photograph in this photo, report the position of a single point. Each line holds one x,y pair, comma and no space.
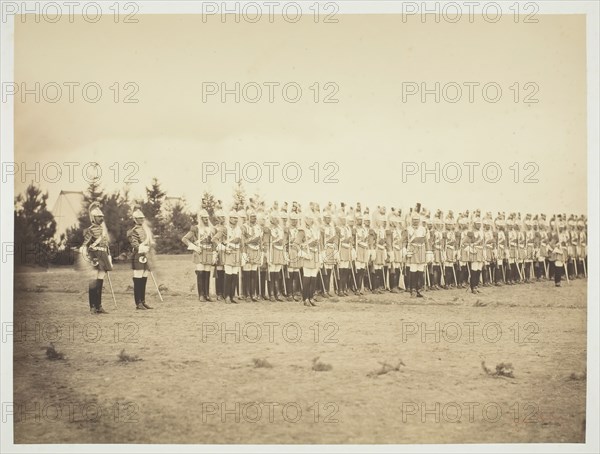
246,226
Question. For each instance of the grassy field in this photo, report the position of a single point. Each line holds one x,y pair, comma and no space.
371,369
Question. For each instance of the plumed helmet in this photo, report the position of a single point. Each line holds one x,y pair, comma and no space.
95,210
137,212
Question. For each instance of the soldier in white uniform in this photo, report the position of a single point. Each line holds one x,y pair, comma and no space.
276,256
252,237
233,257
95,248
199,240
307,240
415,254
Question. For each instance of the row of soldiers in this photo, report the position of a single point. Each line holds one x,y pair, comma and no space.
255,254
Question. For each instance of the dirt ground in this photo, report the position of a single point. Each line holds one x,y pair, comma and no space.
390,368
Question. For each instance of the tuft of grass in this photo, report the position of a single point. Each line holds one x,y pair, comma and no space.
259,362
125,358
53,354
385,368
578,377
502,370
319,366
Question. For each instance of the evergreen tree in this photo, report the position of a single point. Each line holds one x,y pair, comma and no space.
34,228
117,216
239,197
176,223
209,203
152,206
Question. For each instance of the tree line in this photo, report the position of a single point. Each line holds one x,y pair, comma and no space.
169,219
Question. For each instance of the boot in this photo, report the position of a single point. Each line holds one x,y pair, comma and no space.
220,283
420,278
305,289
226,287
99,308
92,295
206,282
137,282
252,275
277,286
200,285
312,285
233,280
557,275
143,293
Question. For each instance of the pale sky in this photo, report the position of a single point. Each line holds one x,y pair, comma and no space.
368,134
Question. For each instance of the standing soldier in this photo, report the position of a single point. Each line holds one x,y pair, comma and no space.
538,258
395,252
544,247
218,245
559,245
572,248
476,254
307,241
233,257
362,251
465,256
140,239
521,249
285,272
380,252
295,261
345,250
513,253
264,266
276,257
252,239
353,284
242,289
582,245
501,252
200,240
95,249
428,225
415,253
530,249
329,243
436,245
489,253
449,249
372,244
